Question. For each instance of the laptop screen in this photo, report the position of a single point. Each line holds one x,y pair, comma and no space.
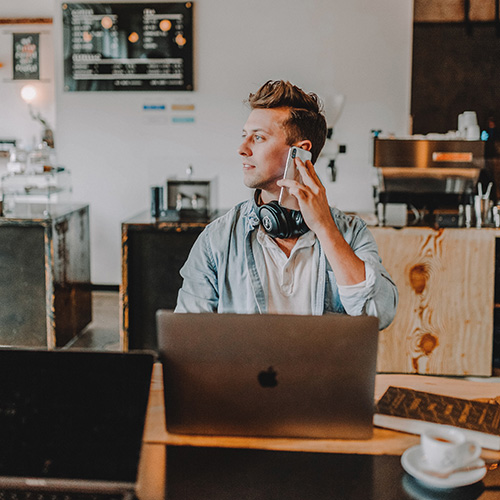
72,414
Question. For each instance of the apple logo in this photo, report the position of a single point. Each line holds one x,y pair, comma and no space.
267,378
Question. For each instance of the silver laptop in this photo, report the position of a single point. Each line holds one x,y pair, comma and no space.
72,421
268,375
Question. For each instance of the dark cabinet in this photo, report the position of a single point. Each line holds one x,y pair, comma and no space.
45,297
153,251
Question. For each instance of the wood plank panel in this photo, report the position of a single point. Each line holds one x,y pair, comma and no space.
444,322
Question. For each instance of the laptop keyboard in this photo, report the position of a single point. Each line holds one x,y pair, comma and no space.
51,495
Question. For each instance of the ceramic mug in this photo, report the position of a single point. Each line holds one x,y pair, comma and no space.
447,448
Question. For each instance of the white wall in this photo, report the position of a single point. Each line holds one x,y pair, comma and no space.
359,48
16,122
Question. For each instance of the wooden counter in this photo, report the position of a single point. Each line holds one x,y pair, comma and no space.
446,283
446,280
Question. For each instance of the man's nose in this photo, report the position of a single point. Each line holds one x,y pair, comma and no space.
244,150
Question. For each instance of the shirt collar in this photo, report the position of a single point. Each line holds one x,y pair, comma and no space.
252,217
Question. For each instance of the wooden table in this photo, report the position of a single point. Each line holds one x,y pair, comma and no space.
385,444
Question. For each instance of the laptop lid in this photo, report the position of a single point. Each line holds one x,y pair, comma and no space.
72,420
268,375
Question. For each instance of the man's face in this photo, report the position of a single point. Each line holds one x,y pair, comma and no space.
264,150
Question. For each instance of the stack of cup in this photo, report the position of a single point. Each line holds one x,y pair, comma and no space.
483,206
468,127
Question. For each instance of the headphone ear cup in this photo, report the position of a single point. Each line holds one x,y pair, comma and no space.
276,220
300,227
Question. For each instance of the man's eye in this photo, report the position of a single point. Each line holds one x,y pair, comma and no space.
258,137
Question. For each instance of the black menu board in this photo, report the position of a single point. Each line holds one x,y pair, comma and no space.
128,46
26,56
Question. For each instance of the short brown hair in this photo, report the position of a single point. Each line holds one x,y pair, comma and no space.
306,121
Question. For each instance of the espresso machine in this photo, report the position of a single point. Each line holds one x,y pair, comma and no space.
432,182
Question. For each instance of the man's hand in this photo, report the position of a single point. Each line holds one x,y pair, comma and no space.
313,204
311,197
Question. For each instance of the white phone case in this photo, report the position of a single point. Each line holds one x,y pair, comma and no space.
290,171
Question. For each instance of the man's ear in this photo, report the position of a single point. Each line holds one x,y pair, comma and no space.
305,144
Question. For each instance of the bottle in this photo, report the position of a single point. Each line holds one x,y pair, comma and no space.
489,147
156,201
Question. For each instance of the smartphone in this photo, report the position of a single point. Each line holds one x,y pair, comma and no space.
291,172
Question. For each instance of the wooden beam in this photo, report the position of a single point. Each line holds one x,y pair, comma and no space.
25,20
452,11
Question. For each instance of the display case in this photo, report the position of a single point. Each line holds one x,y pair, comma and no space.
42,188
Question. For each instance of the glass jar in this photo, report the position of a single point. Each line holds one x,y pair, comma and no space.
17,160
40,159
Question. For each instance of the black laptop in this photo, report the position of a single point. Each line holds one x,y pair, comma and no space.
72,421
269,375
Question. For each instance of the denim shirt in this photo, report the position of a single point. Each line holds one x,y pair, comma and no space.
220,274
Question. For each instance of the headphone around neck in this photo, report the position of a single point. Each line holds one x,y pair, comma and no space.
281,222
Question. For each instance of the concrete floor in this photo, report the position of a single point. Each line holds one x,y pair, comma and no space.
103,333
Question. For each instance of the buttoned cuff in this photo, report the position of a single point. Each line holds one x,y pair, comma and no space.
364,288
356,298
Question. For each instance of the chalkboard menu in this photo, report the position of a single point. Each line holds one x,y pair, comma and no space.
26,56
128,46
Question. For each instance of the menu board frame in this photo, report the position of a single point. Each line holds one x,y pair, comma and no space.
128,46
26,56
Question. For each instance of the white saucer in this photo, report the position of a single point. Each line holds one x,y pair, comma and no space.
413,462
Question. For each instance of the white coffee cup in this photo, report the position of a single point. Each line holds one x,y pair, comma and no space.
447,448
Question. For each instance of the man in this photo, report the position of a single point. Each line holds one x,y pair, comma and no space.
235,266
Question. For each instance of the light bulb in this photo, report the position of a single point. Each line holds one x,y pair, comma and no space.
28,93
